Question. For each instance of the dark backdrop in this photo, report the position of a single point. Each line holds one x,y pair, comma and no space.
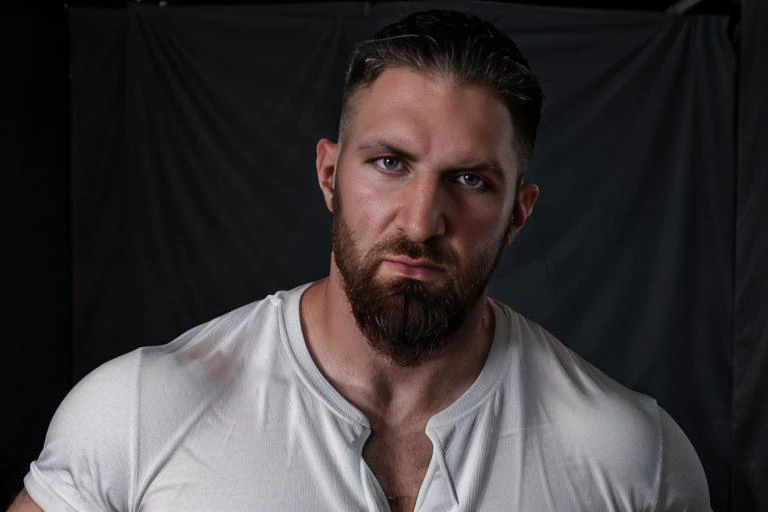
193,190
35,263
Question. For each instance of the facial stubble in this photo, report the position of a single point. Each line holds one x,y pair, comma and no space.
408,320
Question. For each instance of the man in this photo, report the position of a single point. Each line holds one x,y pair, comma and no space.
394,383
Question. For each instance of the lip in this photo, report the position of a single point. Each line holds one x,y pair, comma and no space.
415,262
421,269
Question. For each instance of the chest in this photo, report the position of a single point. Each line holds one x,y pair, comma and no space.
399,461
306,458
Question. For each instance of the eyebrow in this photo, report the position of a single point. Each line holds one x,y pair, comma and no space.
380,145
490,167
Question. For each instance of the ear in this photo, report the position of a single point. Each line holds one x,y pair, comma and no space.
325,163
526,200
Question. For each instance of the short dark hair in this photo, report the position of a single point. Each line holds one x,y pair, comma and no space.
461,47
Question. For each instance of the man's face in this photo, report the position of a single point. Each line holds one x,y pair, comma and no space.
423,190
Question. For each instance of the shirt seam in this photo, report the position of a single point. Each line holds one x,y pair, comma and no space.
287,348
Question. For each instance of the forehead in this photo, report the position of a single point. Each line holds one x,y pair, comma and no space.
433,116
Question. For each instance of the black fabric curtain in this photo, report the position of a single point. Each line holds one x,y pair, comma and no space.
193,191
34,248
750,340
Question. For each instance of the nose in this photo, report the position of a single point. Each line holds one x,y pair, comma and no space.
422,212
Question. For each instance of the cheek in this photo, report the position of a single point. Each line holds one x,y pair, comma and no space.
484,233
368,208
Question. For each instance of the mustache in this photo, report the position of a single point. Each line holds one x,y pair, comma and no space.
403,246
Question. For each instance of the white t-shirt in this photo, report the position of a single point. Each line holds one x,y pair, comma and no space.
235,415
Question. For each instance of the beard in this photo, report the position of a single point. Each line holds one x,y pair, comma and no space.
407,320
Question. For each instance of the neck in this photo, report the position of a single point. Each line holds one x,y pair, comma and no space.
383,390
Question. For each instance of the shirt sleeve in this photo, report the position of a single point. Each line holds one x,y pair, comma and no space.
85,464
683,484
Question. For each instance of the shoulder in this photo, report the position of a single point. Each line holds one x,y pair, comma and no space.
88,442
599,417
559,388
106,434
609,432
682,482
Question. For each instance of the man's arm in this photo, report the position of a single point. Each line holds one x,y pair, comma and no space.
84,460
683,484
24,503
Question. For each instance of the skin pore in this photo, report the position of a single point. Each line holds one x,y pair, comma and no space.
432,161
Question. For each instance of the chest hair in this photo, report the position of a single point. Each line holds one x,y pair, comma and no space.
399,460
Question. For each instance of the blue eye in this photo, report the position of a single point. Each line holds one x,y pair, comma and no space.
388,163
471,180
